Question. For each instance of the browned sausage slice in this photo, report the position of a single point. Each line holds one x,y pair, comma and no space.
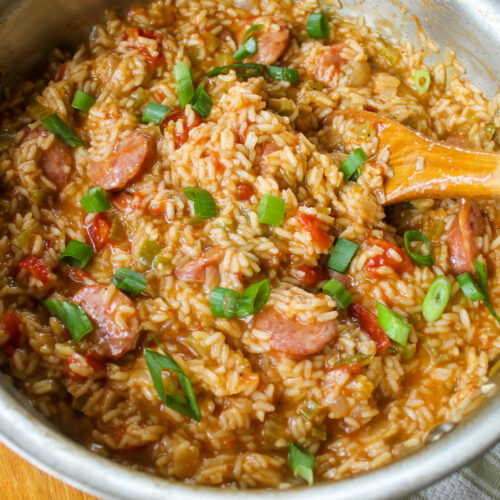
56,161
130,156
464,230
115,316
291,337
195,271
329,63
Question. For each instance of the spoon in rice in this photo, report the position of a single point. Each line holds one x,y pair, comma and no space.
425,168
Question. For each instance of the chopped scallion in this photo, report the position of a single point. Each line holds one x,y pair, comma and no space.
82,101
302,462
204,204
342,254
129,281
469,287
281,73
74,317
339,293
77,254
271,210
436,299
248,47
350,166
154,113
396,327
184,79
95,201
317,25
242,70
224,302
422,80
254,298
202,102
414,235
55,125
482,278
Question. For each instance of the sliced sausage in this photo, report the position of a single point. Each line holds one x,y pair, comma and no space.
329,63
272,40
115,317
461,241
56,161
195,271
130,156
292,337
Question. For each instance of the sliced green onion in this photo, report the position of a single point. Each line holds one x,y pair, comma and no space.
469,287
339,293
184,79
302,462
396,327
254,298
82,101
202,102
55,125
248,47
154,113
436,299
317,25
482,278
204,204
242,70
95,201
156,363
224,302
129,281
252,29
73,317
77,254
271,210
281,73
342,254
350,166
413,235
422,80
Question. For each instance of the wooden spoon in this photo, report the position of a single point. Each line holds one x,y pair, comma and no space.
446,171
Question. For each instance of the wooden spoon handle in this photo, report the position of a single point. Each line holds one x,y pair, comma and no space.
424,168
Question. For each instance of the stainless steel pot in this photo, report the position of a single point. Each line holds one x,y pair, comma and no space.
28,28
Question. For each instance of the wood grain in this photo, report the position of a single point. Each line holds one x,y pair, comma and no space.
19,480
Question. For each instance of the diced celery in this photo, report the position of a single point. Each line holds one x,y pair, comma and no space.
310,409
24,238
148,250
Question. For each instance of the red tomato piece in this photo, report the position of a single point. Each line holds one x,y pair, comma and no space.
244,191
134,34
309,275
36,267
98,232
369,323
312,225
11,322
77,274
386,259
182,137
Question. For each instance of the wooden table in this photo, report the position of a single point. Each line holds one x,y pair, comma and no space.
19,480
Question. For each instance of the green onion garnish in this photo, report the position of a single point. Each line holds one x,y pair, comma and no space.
95,201
350,166
77,254
436,299
413,235
254,298
157,362
202,102
281,73
154,113
317,25
396,327
422,80
271,210
469,287
82,101
342,254
252,29
55,125
204,204
224,302
129,281
242,70
339,293
74,317
482,278
184,79
302,462
248,47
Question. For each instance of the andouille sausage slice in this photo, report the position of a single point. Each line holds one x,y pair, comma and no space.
195,271
292,337
130,156
461,241
115,317
56,161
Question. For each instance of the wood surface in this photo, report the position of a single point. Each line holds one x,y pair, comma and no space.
19,480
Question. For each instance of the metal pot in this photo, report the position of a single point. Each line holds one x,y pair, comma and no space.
28,28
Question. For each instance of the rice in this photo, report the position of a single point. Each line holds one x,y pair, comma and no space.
255,379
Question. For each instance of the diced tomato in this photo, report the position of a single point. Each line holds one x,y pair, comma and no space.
311,224
77,275
244,191
95,361
180,138
98,232
369,323
386,259
135,33
219,167
36,267
127,202
11,322
309,275
352,368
